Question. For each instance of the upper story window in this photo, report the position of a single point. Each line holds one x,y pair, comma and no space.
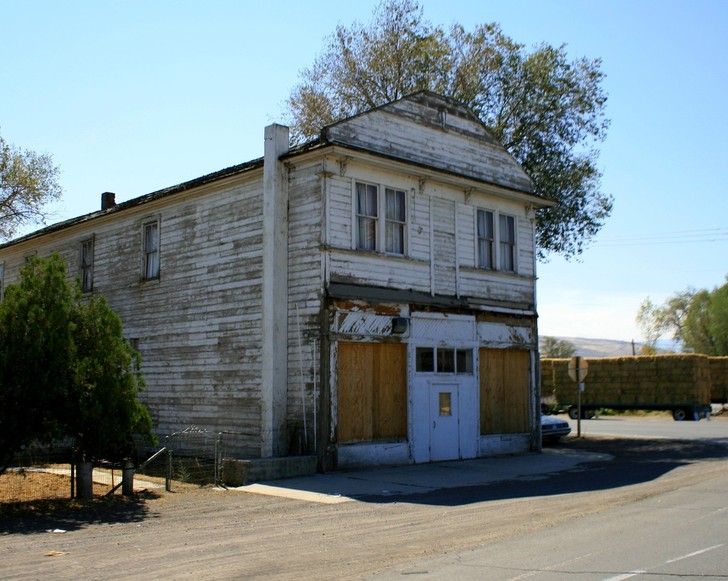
2,279
486,239
86,265
377,234
150,250
366,216
507,233
489,239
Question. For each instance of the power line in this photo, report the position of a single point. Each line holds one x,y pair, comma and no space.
698,236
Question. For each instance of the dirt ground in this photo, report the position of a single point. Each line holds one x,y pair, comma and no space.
213,534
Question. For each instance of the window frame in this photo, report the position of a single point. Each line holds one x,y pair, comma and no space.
444,360
85,268
507,247
150,270
389,220
488,243
504,249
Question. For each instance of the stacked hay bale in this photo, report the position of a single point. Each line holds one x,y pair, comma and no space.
632,381
719,379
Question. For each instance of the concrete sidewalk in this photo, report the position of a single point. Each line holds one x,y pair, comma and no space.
422,478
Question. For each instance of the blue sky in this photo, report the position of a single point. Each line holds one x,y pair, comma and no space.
135,96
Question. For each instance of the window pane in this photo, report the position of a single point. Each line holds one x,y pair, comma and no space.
446,361
395,238
425,359
507,230
366,211
151,250
485,224
366,200
367,234
464,361
86,266
445,403
150,238
395,221
507,233
152,266
395,205
485,239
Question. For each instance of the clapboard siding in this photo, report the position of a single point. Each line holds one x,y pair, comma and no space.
305,290
379,270
339,211
198,326
525,247
494,287
449,142
444,247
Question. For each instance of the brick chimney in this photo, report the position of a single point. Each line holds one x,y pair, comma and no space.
108,200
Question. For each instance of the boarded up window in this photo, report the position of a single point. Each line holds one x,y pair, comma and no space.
504,391
372,392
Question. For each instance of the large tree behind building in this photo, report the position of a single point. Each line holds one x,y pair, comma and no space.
547,110
696,318
28,182
66,370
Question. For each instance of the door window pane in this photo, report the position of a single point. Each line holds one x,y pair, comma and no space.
445,403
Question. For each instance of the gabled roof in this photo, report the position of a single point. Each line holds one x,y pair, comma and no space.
424,128
433,131
134,202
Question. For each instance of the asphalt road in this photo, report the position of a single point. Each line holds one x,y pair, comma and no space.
681,534
653,426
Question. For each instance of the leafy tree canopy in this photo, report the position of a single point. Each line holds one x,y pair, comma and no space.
696,318
65,369
548,111
28,181
551,347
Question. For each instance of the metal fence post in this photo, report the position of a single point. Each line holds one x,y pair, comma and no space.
168,479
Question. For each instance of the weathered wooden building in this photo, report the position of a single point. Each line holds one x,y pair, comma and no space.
369,296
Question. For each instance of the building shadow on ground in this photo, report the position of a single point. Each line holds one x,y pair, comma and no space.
632,462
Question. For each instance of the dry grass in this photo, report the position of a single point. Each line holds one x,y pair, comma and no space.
30,485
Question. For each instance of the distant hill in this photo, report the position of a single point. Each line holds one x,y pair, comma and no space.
610,348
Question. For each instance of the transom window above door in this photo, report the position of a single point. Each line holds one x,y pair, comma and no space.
444,360
381,219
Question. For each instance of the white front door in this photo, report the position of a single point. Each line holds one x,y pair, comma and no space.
444,421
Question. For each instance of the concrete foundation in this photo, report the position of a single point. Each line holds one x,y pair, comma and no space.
239,472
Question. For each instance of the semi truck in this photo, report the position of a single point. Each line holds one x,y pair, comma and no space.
680,384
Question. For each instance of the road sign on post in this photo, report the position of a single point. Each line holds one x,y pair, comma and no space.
578,368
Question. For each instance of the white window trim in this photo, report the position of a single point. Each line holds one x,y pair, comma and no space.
515,243
381,219
92,265
143,265
497,241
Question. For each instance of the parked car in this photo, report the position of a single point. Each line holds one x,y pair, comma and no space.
553,429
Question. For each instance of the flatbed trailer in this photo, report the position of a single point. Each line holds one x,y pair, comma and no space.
680,412
683,384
